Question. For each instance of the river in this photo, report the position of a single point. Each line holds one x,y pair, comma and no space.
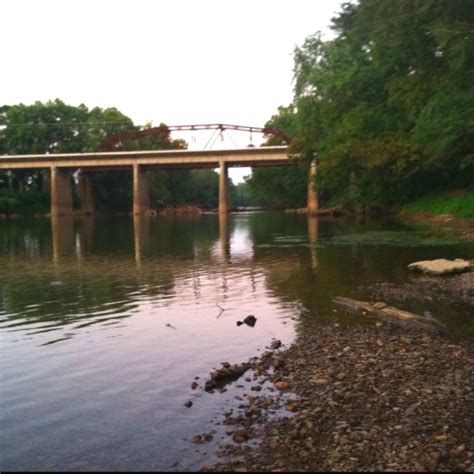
106,322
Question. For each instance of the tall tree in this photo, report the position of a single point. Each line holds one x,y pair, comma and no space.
387,105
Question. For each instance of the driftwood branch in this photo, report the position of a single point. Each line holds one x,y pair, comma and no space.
221,310
390,313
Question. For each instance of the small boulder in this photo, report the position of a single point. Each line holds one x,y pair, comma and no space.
440,266
281,385
250,320
228,373
240,436
276,344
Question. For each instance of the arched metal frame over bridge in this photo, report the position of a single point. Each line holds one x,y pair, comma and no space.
62,166
113,142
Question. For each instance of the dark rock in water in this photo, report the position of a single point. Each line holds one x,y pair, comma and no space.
188,404
250,320
276,344
222,377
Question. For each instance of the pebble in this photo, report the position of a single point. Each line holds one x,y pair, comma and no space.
282,385
375,410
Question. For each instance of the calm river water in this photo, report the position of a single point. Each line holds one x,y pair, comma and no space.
105,323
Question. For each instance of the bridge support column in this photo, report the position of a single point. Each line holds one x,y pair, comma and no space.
141,197
46,181
62,230
223,188
61,195
84,191
313,204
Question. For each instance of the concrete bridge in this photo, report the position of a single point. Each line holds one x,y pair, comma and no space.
62,166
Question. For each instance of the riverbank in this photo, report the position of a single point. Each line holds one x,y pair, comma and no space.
452,289
368,398
457,203
462,228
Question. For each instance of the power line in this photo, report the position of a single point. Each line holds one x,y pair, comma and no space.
59,124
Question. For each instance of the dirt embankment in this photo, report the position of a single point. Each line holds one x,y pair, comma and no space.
445,223
370,399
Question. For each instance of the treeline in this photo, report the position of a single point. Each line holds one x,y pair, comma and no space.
55,127
386,107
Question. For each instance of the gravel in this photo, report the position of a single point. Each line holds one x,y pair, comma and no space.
360,399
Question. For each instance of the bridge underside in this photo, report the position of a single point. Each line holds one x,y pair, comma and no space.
62,166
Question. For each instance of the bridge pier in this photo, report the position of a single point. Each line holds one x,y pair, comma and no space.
141,232
84,191
46,181
223,188
312,203
141,197
62,236
61,194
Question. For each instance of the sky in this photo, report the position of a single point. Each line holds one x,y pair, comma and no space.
176,61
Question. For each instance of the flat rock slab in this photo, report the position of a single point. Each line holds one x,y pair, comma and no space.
441,266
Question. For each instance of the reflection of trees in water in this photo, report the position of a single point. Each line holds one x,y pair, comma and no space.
301,266
69,270
88,270
25,237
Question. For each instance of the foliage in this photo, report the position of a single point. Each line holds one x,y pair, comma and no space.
387,107
457,204
54,127
279,186
28,202
179,187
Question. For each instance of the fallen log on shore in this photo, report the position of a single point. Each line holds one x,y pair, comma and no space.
228,373
329,212
386,313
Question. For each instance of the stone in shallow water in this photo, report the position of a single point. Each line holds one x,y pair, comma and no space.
441,266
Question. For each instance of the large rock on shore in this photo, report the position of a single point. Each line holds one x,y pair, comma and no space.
441,266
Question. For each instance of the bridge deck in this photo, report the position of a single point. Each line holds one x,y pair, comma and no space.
263,156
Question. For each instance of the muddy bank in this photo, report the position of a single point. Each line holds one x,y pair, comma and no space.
462,228
373,399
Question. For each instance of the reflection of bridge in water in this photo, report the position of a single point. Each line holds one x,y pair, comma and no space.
62,166
67,243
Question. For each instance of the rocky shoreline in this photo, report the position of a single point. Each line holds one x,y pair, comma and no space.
452,289
376,398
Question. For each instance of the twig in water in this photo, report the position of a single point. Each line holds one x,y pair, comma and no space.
222,310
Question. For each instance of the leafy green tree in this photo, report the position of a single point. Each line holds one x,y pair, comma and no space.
279,187
55,127
387,106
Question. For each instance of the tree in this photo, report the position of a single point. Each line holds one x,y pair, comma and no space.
387,106
55,127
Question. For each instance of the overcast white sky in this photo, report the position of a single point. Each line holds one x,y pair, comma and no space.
176,61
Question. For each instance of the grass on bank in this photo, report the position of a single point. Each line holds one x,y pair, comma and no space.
459,203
